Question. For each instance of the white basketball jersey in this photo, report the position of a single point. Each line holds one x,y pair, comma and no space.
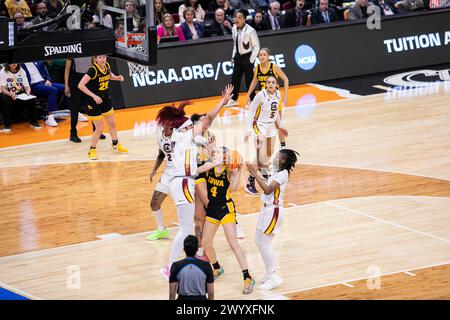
277,196
166,144
265,106
184,154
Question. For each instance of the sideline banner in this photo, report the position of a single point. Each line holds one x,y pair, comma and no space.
187,71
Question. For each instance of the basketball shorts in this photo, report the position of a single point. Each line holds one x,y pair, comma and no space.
270,219
266,129
182,190
98,111
164,183
221,213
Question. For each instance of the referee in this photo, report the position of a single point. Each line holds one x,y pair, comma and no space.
191,278
245,51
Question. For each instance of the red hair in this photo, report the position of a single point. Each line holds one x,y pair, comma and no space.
171,116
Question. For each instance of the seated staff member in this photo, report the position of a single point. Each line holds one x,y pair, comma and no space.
95,84
220,210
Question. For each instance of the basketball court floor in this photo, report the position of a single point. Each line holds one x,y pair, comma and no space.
367,208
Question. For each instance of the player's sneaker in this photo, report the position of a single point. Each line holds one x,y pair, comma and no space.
165,272
217,273
158,234
273,282
232,103
264,278
120,148
251,188
92,154
50,121
239,232
6,129
248,286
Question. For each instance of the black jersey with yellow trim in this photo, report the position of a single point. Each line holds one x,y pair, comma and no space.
218,185
99,82
263,76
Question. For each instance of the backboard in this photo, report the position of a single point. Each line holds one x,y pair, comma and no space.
7,33
135,36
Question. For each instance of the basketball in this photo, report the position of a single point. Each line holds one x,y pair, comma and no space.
236,160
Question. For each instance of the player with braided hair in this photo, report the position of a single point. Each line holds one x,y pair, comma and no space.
272,213
184,135
164,140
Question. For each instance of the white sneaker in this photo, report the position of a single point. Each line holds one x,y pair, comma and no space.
239,232
165,272
50,121
6,130
82,117
232,103
273,282
264,278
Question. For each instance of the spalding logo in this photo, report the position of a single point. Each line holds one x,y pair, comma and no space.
305,57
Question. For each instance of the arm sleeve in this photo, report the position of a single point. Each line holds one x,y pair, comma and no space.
255,45
2,78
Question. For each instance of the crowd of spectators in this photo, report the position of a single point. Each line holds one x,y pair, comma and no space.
176,20
194,19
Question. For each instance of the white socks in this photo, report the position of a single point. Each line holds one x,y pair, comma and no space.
185,214
264,244
159,219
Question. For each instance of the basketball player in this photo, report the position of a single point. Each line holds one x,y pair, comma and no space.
262,124
262,71
220,211
165,143
95,84
272,214
184,158
201,194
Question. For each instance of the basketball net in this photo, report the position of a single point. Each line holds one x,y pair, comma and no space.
134,42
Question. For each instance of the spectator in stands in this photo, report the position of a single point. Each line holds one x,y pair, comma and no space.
245,4
18,5
258,21
120,30
42,17
297,16
191,29
405,6
13,82
41,85
222,4
221,26
358,10
387,7
199,12
323,14
20,20
107,19
168,29
53,7
160,10
133,18
272,18
191,278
